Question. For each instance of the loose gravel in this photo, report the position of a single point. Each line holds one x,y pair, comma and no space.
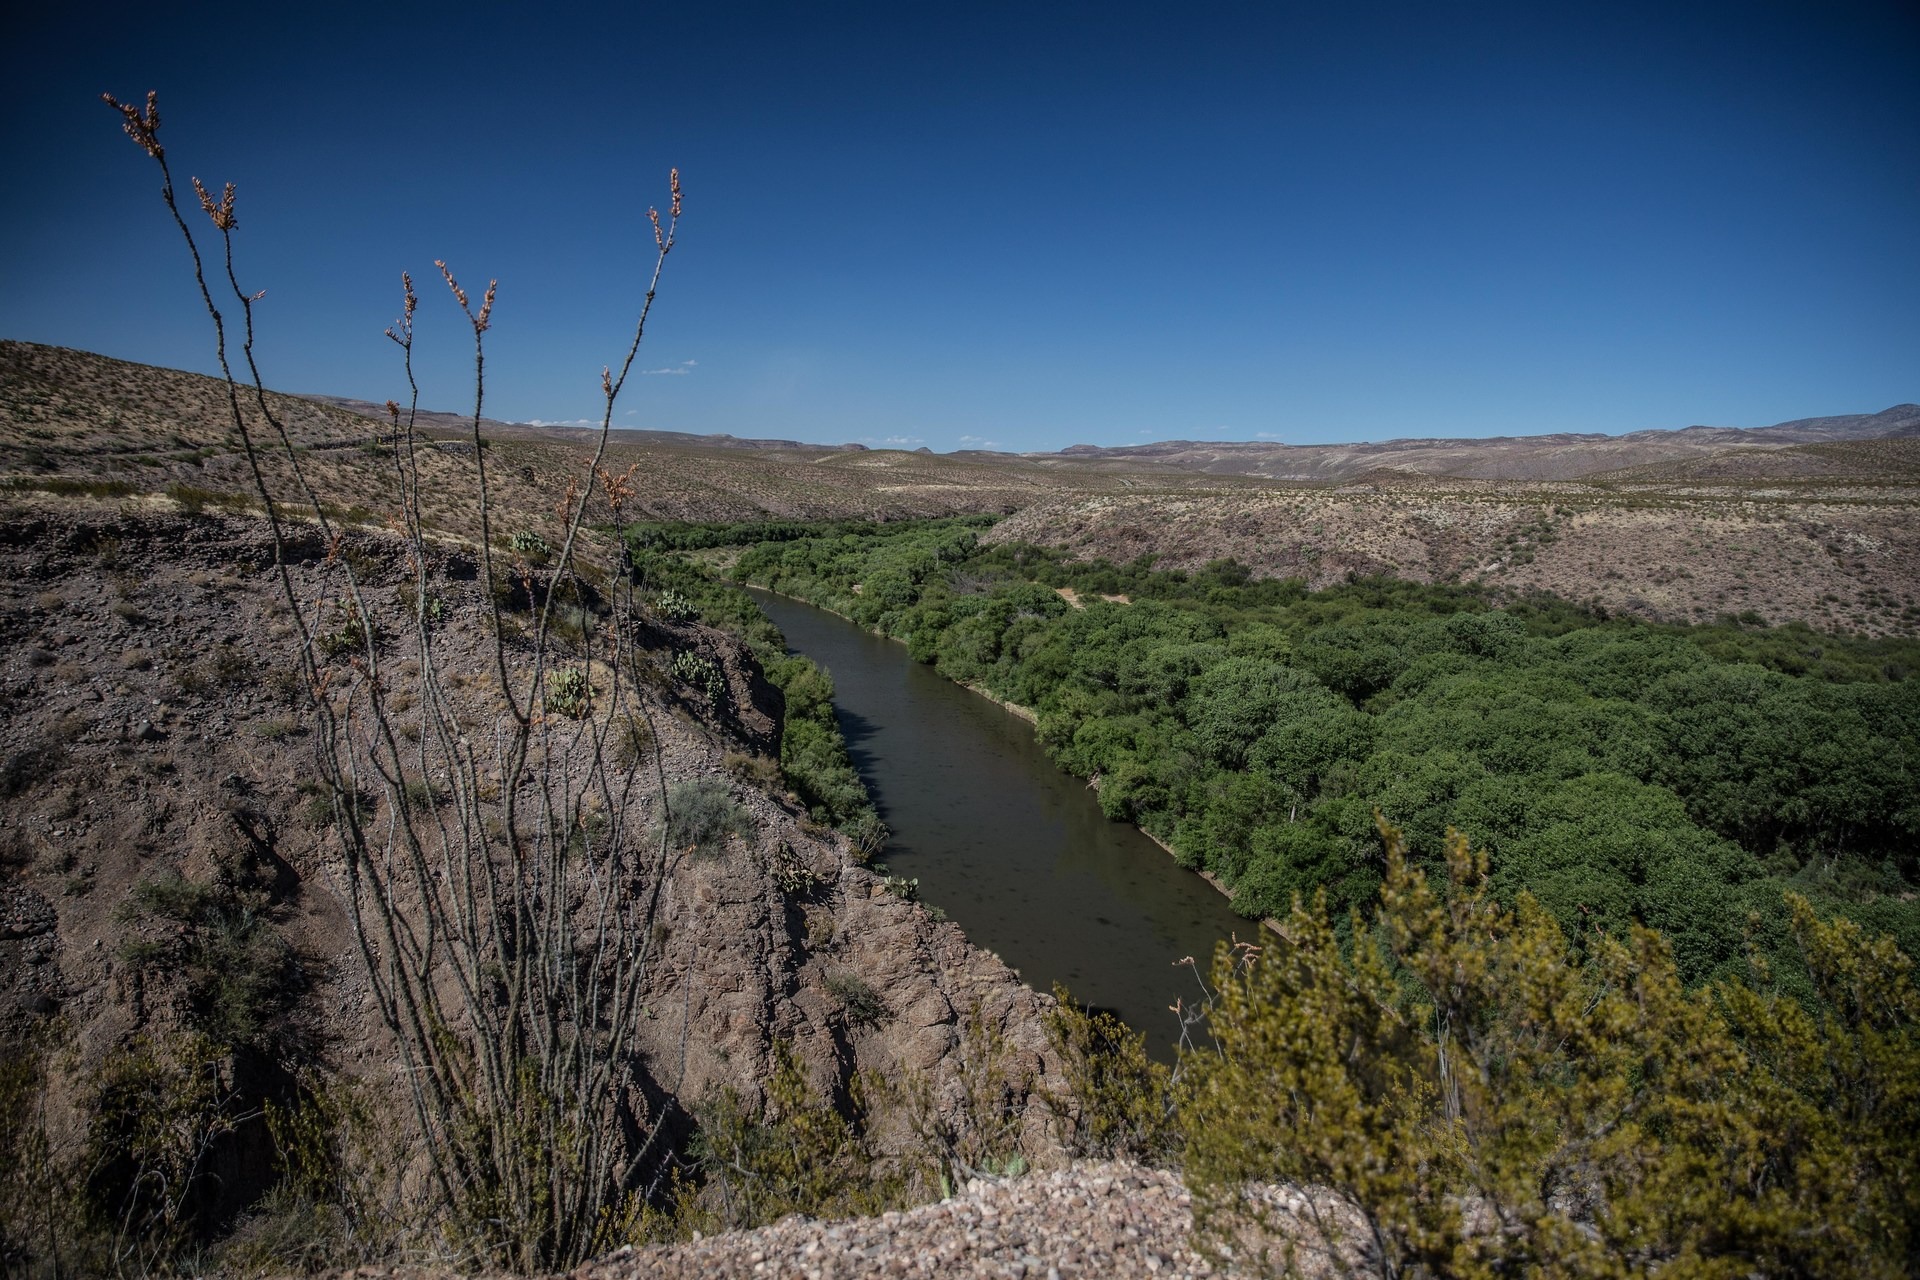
1090,1219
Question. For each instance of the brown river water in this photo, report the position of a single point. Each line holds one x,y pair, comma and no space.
1014,850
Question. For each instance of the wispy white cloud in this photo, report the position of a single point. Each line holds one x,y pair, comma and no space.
564,422
1267,435
673,370
979,442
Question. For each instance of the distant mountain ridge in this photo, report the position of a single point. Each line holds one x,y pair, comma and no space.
1557,456
1550,457
1564,456
435,420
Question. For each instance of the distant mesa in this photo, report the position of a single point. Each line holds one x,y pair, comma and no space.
1557,456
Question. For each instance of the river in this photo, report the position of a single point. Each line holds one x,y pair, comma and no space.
1015,851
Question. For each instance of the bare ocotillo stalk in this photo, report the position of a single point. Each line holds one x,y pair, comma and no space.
501,872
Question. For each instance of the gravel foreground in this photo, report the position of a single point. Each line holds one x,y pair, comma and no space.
1091,1219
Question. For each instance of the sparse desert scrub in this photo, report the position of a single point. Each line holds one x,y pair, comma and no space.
1665,555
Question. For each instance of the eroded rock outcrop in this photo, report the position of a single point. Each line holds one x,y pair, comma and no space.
152,727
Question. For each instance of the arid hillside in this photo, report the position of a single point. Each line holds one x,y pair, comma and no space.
1561,456
75,422
1841,555
171,866
1809,521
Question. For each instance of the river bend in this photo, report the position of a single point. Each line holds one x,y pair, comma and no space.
1014,850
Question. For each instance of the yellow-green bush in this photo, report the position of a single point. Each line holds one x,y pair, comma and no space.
1119,1102
1494,1099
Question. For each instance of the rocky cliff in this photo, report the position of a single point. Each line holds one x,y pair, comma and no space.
153,735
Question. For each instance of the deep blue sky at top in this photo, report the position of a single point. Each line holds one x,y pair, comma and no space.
1032,225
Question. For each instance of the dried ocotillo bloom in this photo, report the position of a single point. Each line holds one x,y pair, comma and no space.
144,130
459,294
401,331
222,213
619,488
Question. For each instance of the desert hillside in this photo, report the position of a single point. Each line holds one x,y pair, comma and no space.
1807,522
173,875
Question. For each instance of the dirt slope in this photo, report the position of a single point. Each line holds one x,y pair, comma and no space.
147,729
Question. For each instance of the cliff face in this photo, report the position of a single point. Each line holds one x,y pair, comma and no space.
151,730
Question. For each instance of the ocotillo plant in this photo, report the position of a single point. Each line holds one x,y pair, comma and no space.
502,873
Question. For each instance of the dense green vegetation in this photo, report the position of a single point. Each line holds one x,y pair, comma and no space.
671,535
1681,777
1636,1032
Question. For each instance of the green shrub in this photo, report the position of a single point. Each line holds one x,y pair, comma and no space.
631,738
791,875
534,547
340,1199
36,1198
433,610
155,1112
230,665
798,1154
350,634
813,754
860,1003
570,624
194,499
72,485
1119,1103
702,813
239,978
975,1129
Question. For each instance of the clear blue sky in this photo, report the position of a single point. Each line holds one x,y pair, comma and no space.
1033,225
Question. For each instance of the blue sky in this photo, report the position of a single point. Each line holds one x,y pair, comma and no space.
1029,225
